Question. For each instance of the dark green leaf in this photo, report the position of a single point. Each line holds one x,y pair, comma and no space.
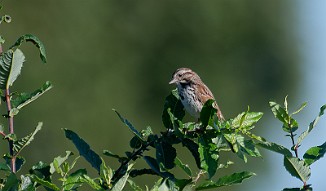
135,143
120,184
207,113
110,154
58,161
174,105
276,148
311,125
314,153
235,178
35,41
246,119
131,127
165,154
208,155
183,166
84,149
23,99
41,170
297,168
20,144
20,161
156,168
193,148
4,167
11,183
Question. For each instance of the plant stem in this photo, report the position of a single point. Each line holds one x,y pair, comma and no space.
294,146
11,131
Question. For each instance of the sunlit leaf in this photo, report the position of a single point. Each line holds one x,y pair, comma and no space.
311,125
18,59
120,184
246,119
276,148
314,153
228,180
58,161
297,168
303,105
44,183
74,180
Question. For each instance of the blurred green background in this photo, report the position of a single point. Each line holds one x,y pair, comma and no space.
121,54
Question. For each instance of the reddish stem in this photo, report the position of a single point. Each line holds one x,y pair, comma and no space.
11,131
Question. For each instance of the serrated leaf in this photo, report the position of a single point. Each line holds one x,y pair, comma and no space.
23,99
297,168
6,59
207,113
20,144
84,149
44,183
311,125
174,105
128,124
183,166
228,180
37,42
246,119
276,148
208,155
58,161
314,153
165,154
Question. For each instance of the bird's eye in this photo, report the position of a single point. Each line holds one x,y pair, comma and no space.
179,75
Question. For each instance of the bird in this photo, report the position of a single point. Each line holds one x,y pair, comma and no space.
193,92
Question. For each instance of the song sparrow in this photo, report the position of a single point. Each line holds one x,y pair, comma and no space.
193,92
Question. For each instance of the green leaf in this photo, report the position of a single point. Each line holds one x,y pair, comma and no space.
279,112
11,183
314,153
37,42
23,99
208,155
26,183
297,168
41,170
135,142
165,154
276,148
134,186
58,161
128,124
44,183
228,180
207,113
74,180
156,168
84,149
183,166
174,105
20,144
4,167
311,125
303,105
106,173
246,120
110,154
120,184
85,178
18,60
193,148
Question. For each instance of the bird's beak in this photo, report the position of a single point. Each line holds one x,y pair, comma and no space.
173,81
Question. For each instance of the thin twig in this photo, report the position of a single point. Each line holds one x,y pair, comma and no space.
11,131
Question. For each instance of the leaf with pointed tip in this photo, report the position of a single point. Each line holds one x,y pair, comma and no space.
297,168
156,168
120,184
228,180
128,124
276,148
134,186
85,178
311,125
11,183
314,153
84,149
58,161
246,119
36,41
279,112
208,154
303,105
183,166
207,113
44,183
20,144
23,99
